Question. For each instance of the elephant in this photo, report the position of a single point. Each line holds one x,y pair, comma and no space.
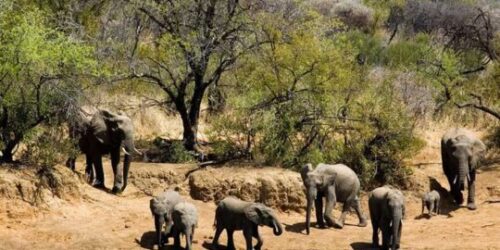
234,214
387,210
431,200
185,218
337,183
161,207
461,152
105,132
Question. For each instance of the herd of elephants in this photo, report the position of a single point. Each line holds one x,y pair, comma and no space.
109,133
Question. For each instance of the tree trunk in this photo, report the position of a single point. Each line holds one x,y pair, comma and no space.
190,120
10,145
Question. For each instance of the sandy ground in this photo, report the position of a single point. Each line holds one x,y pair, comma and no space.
105,221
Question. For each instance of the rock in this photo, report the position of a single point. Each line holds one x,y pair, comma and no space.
275,187
155,178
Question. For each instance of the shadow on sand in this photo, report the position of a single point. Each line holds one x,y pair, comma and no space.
447,203
148,240
362,246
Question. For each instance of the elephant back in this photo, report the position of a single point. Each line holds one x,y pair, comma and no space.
347,183
185,214
165,202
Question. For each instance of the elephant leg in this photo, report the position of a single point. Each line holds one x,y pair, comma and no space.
438,206
386,234
99,182
189,238
126,167
318,205
357,208
472,191
431,208
177,239
345,209
375,227
330,204
89,169
158,227
117,171
215,241
247,232
230,241
257,236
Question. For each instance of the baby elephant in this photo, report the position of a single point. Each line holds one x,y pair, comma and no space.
387,210
185,217
234,214
161,207
431,201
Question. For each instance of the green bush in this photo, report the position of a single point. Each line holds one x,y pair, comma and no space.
47,146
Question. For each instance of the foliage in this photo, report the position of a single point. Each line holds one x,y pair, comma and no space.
47,146
196,43
38,69
293,107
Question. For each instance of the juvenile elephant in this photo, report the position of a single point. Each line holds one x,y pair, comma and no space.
387,209
161,207
461,152
185,218
234,214
105,133
431,200
337,183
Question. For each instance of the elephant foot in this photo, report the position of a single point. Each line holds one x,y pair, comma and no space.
116,190
471,206
338,225
320,225
99,186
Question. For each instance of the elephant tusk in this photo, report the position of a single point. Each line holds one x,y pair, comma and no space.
125,151
468,177
137,151
455,180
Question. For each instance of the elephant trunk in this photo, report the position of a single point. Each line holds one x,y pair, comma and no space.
396,231
463,171
159,221
308,214
277,229
129,146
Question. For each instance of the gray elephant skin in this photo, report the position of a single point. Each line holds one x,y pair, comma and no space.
161,207
234,214
185,218
105,133
461,152
337,183
431,201
387,210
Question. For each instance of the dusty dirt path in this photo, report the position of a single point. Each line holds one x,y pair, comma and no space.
106,221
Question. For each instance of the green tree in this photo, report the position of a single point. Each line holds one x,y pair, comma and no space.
38,70
190,47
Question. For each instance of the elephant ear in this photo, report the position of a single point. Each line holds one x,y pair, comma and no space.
99,128
478,151
254,213
305,170
329,179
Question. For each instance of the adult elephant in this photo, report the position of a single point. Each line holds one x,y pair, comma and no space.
461,152
234,214
337,183
105,133
387,210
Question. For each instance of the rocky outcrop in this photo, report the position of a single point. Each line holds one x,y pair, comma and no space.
275,187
